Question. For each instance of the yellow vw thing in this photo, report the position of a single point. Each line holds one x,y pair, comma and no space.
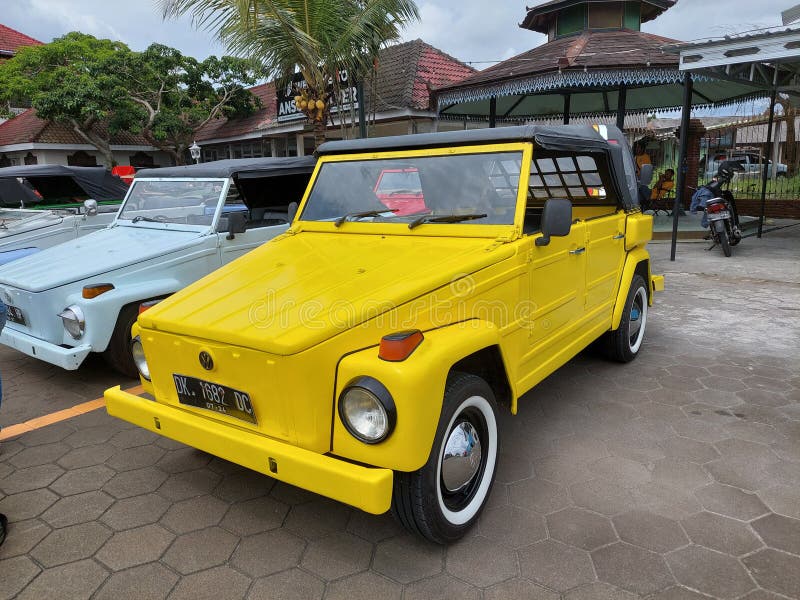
366,353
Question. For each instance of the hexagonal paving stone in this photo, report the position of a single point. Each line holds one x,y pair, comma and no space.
776,571
131,438
632,568
128,459
200,550
17,573
783,500
293,584
511,468
678,593
70,544
135,547
90,436
134,483
23,536
407,558
79,508
78,481
441,587
39,455
709,572
538,495
623,471
680,474
146,582
184,459
721,533
650,531
688,449
598,591
317,518
602,495
581,528
562,469
244,485
222,583
190,484
33,478
519,589
76,581
194,514
49,434
337,555
255,516
512,526
364,586
666,501
27,505
556,565
135,512
373,528
731,501
738,473
779,532
268,553
86,456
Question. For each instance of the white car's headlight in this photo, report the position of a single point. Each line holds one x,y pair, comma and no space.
367,410
74,321
137,351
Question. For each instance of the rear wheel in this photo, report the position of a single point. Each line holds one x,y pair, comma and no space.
724,242
118,354
444,498
623,343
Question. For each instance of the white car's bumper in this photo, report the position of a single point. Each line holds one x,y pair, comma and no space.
66,358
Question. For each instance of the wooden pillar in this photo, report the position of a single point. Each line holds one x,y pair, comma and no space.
567,102
686,113
623,97
769,152
493,112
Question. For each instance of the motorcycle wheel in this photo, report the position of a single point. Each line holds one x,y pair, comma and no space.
736,237
724,242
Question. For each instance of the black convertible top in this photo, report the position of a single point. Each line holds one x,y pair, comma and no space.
555,138
57,182
241,168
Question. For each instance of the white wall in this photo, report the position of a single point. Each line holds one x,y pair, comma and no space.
59,157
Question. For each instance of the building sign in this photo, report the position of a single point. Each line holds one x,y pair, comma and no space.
347,100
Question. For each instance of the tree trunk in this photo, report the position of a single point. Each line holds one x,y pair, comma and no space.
319,130
102,144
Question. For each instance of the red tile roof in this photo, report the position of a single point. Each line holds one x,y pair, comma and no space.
11,39
27,128
261,119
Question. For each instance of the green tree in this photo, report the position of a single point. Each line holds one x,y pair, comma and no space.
320,38
100,88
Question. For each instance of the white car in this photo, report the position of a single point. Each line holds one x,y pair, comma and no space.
743,163
176,225
45,205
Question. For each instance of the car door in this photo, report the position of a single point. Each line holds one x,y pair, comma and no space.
605,253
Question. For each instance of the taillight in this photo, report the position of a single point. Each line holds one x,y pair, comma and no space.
715,208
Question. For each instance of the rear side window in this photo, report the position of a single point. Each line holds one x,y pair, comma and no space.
582,179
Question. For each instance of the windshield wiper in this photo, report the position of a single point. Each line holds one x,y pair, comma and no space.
358,215
445,219
138,218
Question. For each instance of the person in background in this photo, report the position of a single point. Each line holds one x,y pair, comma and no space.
664,184
3,519
641,156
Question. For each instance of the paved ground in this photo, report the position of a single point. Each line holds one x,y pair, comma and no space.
675,477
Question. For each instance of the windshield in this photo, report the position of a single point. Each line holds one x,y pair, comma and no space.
466,188
192,202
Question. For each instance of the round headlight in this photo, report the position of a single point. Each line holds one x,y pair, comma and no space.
137,351
74,321
367,410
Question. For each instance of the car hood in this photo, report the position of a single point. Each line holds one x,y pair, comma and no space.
300,290
13,222
91,255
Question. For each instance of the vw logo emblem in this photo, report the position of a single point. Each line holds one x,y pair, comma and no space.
206,361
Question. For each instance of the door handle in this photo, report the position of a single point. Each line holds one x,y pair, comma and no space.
578,251
619,236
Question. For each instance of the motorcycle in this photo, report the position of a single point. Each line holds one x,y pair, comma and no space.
721,214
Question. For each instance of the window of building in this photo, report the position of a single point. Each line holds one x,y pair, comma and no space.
30,159
571,20
579,178
632,19
605,15
81,159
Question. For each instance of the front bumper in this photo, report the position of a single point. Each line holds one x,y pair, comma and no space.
369,489
66,358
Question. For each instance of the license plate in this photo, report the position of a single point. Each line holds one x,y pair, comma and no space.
720,215
214,397
15,315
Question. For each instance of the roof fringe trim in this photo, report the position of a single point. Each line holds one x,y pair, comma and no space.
567,79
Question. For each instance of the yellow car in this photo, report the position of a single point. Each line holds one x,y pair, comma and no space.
366,353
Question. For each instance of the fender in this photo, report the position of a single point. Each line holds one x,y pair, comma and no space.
409,445
633,259
719,225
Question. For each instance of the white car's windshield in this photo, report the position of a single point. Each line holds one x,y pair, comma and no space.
467,188
168,201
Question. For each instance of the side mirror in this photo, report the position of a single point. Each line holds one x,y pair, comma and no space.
645,175
556,220
90,206
237,223
292,212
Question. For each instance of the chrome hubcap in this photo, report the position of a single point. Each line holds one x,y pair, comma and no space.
462,457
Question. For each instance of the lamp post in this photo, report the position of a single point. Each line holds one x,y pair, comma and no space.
194,150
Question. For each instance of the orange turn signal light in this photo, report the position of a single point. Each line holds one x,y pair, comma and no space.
149,304
397,347
93,291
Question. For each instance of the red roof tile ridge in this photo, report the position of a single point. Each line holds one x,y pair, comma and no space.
16,38
23,128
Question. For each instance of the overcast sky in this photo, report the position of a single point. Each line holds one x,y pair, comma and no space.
463,28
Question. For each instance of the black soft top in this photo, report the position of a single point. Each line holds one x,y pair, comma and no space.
555,138
242,168
57,182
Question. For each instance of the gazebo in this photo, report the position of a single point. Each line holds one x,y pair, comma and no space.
596,61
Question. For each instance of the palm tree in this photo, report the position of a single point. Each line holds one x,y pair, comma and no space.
320,38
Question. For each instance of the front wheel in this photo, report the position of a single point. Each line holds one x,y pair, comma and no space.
118,354
444,498
624,342
724,242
